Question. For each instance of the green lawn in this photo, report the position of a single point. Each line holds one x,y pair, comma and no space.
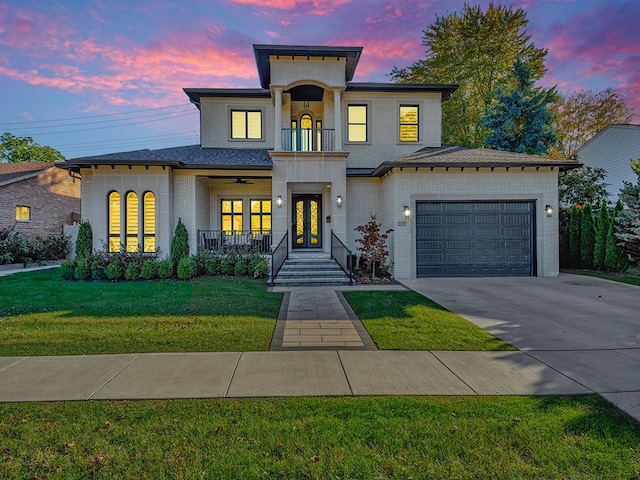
300,438
43,315
622,278
406,320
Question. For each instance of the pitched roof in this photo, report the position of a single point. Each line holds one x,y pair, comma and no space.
14,172
462,157
191,156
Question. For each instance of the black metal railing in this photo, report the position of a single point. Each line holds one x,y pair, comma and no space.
224,241
279,255
308,139
342,255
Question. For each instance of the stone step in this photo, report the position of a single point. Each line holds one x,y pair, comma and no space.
311,271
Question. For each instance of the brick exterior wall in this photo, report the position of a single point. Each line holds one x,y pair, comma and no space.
52,199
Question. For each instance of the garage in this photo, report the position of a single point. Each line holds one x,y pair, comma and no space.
475,239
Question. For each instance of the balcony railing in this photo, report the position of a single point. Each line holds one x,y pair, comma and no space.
308,139
221,241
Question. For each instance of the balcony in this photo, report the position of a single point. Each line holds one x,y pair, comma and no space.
308,139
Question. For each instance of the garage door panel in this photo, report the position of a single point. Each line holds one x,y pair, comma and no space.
476,239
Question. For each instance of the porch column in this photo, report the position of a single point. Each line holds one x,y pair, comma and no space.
278,119
338,119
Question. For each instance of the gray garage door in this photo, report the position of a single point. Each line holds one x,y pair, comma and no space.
474,239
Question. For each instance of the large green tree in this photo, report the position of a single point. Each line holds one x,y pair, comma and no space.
24,149
580,115
520,121
628,219
475,49
582,185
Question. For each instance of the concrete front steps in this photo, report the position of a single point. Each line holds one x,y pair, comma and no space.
309,270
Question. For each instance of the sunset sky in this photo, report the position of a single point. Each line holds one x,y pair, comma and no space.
99,76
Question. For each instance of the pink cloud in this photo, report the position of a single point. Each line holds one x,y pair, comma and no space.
317,7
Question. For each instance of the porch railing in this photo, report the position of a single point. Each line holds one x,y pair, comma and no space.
342,255
224,241
279,255
308,139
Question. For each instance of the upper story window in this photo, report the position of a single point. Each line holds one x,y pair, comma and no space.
23,214
357,123
408,123
246,124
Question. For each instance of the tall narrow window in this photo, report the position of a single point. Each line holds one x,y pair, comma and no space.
357,123
246,124
114,222
261,216
131,222
149,222
231,215
23,214
408,123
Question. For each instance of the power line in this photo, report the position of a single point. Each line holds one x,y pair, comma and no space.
126,140
93,116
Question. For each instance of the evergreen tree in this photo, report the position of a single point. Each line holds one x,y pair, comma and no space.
587,237
84,241
602,229
575,226
520,121
629,218
179,244
615,259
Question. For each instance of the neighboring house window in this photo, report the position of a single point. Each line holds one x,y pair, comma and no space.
149,222
261,215
114,222
231,215
131,222
357,123
23,213
408,123
246,124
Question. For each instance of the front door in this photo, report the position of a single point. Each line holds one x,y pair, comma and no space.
306,221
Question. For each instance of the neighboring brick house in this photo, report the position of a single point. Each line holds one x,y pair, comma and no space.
312,153
611,149
37,198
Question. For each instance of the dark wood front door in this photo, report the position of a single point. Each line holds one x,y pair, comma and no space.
307,214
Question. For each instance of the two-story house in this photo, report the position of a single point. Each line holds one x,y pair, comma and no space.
310,155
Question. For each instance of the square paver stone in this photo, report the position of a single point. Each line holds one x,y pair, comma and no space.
173,375
508,373
67,377
274,374
400,373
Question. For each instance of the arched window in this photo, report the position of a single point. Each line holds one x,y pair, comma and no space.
114,221
131,222
149,222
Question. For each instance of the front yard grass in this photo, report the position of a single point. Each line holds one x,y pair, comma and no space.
406,320
300,438
43,315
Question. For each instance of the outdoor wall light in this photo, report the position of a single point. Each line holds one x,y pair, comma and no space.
279,201
407,211
339,200
549,210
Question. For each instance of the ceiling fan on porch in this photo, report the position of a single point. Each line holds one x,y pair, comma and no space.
241,181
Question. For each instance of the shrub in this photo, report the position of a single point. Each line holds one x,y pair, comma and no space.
575,226
82,270
132,272
97,269
602,228
259,268
67,270
114,271
373,243
227,264
187,269
84,242
180,243
165,269
15,247
241,266
212,266
587,237
149,270
204,261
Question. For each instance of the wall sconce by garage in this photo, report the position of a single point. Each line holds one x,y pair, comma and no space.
339,200
549,210
279,201
407,211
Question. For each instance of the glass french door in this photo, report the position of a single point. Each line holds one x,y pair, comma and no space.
307,216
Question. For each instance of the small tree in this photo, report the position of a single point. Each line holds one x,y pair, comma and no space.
629,218
373,244
84,242
614,259
602,228
587,237
179,244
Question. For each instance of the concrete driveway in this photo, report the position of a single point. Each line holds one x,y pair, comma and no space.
585,328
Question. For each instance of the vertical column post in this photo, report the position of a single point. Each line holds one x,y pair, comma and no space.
338,119
278,120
